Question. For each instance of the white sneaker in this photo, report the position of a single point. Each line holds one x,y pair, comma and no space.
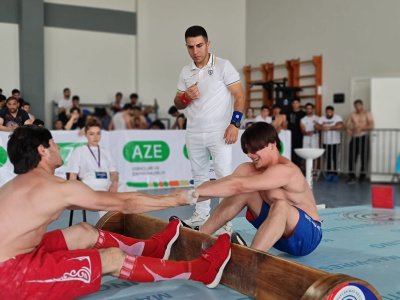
227,228
196,220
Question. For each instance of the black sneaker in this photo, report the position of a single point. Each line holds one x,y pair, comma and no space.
183,223
237,239
362,178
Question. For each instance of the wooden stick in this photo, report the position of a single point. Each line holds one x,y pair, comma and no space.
254,273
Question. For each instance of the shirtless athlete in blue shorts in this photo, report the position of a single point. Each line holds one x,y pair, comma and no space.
279,202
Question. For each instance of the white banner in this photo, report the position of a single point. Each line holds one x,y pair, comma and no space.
144,158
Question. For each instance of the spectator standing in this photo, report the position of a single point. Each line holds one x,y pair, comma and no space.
294,118
307,123
116,105
330,126
65,103
180,119
11,116
122,120
209,89
358,125
92,163
264,116
279,120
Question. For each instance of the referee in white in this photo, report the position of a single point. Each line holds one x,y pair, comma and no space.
209,89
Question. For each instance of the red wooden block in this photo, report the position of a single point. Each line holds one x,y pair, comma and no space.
382,196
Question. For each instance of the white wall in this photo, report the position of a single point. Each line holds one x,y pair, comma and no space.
93,65
385,106
357,38
9,58
161,44
385,102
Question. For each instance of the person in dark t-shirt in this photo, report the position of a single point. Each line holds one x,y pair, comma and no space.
294,117
11,116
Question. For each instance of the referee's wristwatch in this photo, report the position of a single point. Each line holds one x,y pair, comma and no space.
236,124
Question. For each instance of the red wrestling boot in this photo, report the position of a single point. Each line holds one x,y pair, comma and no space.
158,246
208,268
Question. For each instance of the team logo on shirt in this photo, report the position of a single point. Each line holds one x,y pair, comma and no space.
210,72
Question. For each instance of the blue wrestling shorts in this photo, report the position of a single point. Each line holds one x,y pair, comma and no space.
305,238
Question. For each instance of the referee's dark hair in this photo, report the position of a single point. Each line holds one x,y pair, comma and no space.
195,31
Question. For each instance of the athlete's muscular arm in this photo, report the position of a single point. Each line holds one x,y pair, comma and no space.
240,182
77,194
231,132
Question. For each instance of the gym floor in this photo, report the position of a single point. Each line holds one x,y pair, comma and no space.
358,241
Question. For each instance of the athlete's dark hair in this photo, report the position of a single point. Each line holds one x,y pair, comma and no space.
196,30
258,136
22,147
330,107
358,101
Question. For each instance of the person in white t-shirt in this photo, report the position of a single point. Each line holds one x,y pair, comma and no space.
264,116
209,89
307,124
92,163
122,120
330,126
65,103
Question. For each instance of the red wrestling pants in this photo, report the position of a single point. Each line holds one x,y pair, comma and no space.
51,271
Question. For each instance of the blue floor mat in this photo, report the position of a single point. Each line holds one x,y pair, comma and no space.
358,241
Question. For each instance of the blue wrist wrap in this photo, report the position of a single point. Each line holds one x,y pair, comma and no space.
237,116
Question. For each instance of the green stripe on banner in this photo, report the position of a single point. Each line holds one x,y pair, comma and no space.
137,184
158,184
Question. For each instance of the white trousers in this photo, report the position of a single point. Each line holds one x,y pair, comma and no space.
200,147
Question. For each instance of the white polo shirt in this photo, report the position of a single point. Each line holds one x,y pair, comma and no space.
330,137
213,110
308,123
83,163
